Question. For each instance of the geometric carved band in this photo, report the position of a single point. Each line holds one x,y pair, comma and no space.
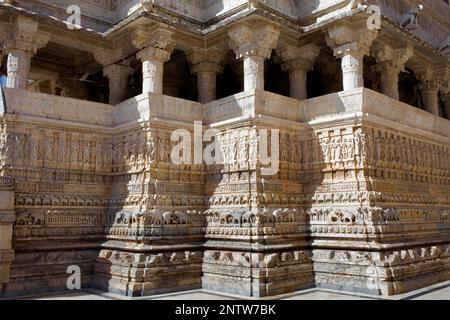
6,183
6,255
7,216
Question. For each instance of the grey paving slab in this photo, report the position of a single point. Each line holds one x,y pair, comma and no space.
439,291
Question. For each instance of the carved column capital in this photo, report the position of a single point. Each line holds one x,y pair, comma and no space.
298,57
152,53
391,61
156,46
206,60
206,64
254,43
117,70
211,55
26,37
428,87
427,76
156,37
106,56
351,42
298,61
22,44
253,40
347,37
118,76
393,57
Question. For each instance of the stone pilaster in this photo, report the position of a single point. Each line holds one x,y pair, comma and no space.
391,61
118,76
298,61
351,42
22,45
7,218
206,64
253,43
156,47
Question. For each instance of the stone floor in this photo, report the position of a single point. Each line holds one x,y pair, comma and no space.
439,291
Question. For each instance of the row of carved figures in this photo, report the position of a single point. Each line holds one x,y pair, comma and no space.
136,151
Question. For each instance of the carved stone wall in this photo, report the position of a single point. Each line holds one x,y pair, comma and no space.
361,200
61,192
155,223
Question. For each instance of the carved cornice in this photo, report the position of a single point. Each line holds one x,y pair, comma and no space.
253,40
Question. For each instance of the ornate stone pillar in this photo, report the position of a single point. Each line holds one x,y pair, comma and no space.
24,43
18,65
116,73
206,64
391,62
446,102
429,89
118,76
298,61
156,47
444,84
351,42
254,43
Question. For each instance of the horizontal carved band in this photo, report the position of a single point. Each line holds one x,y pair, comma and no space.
6,255
7,216
6,183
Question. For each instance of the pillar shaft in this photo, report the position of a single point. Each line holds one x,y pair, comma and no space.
152,76
430,99
389,80
206,86
118,81
446,102
298,84
207,79
352,70
153,69
19,62
253,73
